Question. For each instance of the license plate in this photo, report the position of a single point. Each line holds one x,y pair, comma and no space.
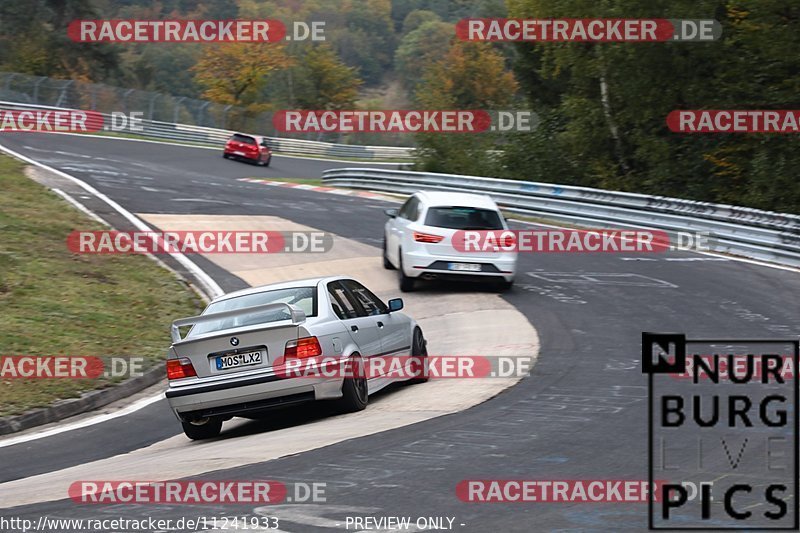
225,362
239,153
464,267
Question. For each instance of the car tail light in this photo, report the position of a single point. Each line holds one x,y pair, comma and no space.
427,237
180,368
302,348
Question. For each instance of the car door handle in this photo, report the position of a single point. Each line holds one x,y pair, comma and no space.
380,324
353,328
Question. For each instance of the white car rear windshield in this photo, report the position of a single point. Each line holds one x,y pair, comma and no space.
467,218
303,297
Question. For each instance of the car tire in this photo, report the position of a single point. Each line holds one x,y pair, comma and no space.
355,393
419,351
268,161
386,263
226,156
505,286
407,283
207,430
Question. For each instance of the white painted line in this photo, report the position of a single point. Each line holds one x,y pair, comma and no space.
210,287
132,408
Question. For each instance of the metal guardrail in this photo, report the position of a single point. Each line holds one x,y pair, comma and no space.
742,231
153,129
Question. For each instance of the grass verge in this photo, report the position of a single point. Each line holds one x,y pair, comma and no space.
55,302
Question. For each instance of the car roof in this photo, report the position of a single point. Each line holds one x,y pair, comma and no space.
261,137
307,282
456,199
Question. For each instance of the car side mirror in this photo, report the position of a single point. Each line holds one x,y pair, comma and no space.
395,304
391,213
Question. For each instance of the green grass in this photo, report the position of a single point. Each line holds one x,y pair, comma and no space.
55,302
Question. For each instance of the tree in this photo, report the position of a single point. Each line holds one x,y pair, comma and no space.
33,40
469,76
323,81
420,48
605,103
234,73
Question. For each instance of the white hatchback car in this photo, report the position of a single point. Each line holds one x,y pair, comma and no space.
417,240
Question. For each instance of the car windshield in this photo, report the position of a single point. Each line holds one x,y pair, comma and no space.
303,297
465,218
243,139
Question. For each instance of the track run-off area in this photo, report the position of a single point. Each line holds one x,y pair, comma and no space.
580,414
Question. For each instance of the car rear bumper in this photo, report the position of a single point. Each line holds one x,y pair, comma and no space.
246,157
417,265
240,396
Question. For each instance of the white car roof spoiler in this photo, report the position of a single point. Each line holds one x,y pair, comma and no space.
298,316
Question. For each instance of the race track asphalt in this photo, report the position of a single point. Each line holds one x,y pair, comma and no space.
581,414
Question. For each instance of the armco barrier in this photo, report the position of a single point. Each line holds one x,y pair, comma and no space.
742,231
153,129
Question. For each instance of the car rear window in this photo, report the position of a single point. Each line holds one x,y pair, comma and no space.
303,297
468,218
243,139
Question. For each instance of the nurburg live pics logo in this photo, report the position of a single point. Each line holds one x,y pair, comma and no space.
725,437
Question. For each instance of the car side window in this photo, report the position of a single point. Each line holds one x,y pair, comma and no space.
413,210
369,303
403,212
342,305
410,209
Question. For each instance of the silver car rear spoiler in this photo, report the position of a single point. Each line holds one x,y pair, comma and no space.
298,316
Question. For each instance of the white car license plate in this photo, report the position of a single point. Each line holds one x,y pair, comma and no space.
464,267
238,153
225,362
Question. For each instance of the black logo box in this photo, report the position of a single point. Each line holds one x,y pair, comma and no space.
675,344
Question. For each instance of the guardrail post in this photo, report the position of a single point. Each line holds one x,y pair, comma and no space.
177,108
125,98
63,95
151,105
36,89
202,113
225,116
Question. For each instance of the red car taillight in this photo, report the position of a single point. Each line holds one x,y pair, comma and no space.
427,237
302,348
180,368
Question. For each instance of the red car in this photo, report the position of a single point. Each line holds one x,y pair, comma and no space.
251,148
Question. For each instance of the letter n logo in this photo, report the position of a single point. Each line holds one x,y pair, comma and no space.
663,353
